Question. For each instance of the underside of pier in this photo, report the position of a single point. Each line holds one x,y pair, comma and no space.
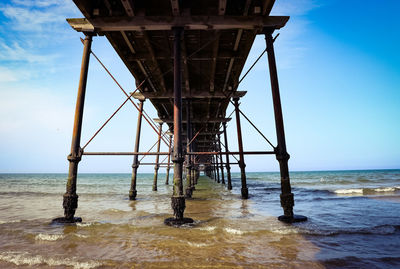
186,58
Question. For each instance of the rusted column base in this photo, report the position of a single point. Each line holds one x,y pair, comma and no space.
245,193
189,192
66,221
287,203
70,204
132,195
292,219
178,205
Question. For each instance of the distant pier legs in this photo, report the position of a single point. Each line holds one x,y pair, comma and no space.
168,160
70,198
221,161
135,165
217,162
178,198
287,199
228,167
157,166
242,165
189,178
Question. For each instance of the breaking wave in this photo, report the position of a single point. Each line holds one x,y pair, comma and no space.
34,260
366,191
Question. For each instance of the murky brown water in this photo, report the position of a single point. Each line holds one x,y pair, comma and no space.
229,232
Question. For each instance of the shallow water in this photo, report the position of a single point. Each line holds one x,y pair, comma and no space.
354,222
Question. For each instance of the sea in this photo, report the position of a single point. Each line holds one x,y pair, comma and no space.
353,222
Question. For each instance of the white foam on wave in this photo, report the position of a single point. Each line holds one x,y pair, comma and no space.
387,189
29,260
284,231
80,224
197,245
9,221
49,237
366,190
208,228
349,191
234,231
81,236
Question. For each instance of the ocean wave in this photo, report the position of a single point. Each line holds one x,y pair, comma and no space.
197,245
234,231
208,228
9,221
29,260
85,224
49,237
366,191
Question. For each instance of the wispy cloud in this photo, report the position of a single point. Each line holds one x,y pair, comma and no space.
37,16
294,8
15,52
290,45
30,32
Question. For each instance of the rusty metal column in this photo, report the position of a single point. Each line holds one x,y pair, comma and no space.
216,163
287,199
135,164
188,157
169,159
177,199
70,198
220,158
244,190
228,167
157,166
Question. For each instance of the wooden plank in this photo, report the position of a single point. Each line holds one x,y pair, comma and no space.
128,6
140,23
154,60
128,42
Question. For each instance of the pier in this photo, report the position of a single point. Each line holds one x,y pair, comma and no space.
186,58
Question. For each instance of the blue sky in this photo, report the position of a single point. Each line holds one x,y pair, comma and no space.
339,73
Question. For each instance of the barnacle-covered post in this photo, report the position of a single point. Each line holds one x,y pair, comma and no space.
178,198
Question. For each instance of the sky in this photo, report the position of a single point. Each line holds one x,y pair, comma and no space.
339,74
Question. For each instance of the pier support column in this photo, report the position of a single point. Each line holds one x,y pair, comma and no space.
228,167
169,159
135,164
287,199
178,199
157,166
220,159
244,190
188,190
70,198
217,163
